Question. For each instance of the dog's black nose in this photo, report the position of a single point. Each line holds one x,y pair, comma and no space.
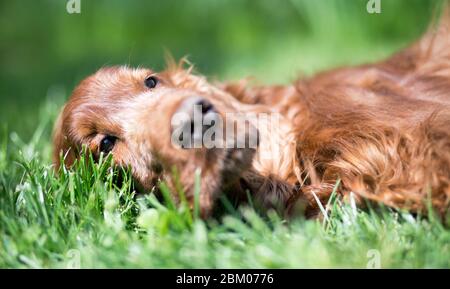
204,105
193,117
195,106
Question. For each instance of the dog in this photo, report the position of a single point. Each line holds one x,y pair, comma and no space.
377,132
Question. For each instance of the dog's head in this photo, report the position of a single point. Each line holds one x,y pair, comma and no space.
154,123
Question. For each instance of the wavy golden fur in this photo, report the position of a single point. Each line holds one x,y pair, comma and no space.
382,129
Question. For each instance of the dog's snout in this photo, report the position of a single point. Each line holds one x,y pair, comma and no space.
195,104
205,106
193,117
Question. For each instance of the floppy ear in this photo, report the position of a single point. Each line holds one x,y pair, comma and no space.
61,143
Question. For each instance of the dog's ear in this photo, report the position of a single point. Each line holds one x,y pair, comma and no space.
62,148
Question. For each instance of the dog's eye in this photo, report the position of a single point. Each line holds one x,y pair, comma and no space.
151,81
107,144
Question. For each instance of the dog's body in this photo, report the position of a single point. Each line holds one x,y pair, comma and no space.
383,130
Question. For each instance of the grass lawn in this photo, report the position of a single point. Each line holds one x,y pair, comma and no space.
81,219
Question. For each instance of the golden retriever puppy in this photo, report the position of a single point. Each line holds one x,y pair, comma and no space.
382,129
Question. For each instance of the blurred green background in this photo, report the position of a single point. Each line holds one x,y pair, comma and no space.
45,51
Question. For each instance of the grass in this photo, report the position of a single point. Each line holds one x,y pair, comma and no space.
82,219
